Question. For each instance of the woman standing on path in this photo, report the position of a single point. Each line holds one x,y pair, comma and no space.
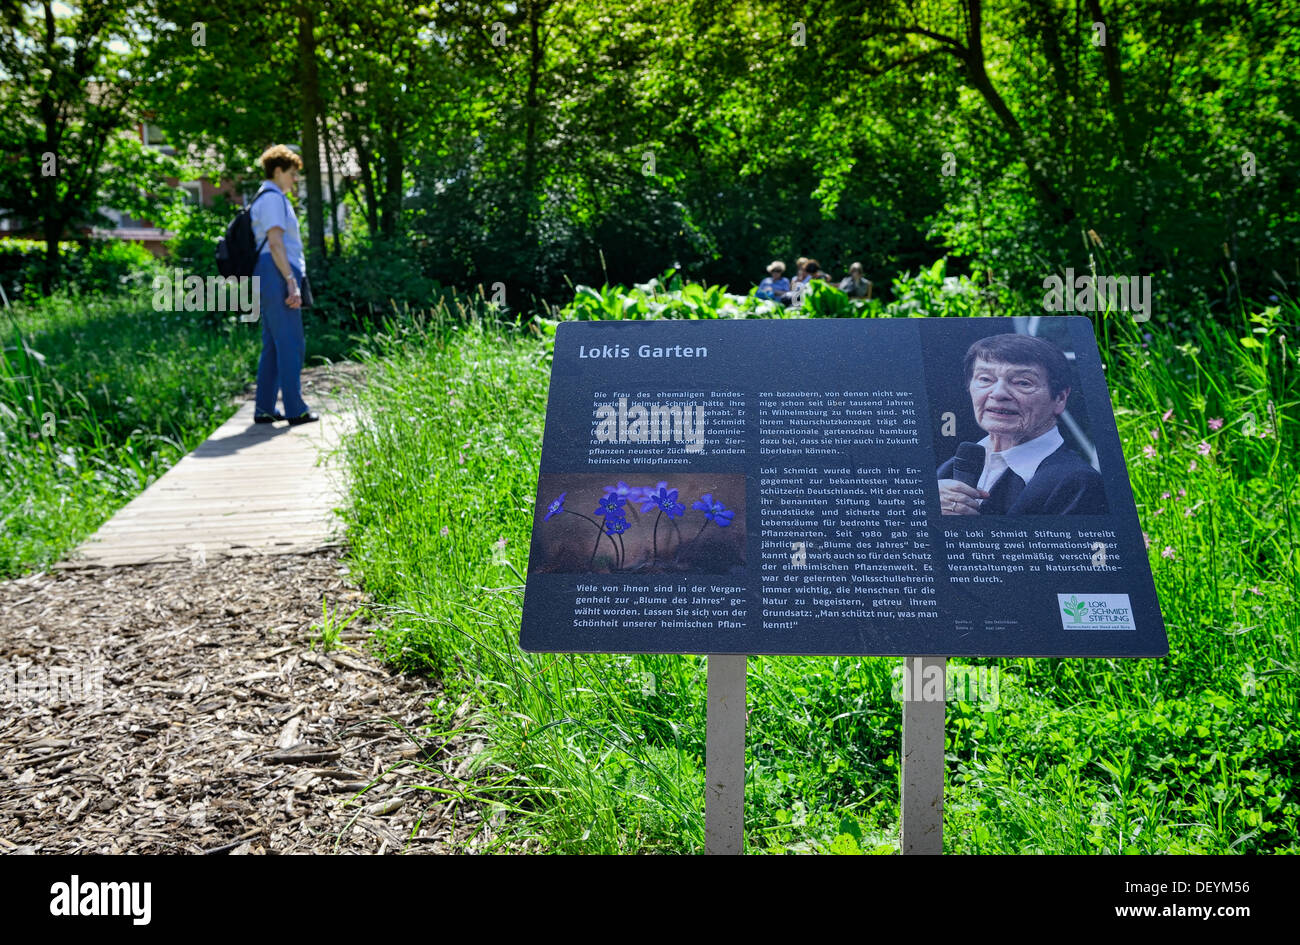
280,269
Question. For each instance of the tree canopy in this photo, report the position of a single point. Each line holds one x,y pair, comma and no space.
548,142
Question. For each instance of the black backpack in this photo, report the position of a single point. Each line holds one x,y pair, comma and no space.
236,254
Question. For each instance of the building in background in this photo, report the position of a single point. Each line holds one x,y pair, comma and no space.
200,193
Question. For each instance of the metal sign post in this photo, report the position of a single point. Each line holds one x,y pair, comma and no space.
922,765
724,756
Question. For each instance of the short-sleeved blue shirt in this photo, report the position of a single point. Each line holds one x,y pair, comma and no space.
275,210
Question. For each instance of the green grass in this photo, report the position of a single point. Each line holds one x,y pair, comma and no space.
597,753
99,396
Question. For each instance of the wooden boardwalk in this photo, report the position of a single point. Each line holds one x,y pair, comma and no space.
249,489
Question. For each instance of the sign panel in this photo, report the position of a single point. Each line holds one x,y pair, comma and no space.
896,487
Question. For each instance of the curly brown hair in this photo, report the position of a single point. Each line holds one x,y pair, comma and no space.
278,157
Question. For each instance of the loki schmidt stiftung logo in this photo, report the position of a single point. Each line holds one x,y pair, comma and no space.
1095,612
75,898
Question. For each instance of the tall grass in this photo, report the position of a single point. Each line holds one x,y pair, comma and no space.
1193,753
99,395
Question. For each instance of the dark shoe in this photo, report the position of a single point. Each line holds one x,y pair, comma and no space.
309,417
267,417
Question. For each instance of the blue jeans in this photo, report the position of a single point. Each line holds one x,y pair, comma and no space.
283,344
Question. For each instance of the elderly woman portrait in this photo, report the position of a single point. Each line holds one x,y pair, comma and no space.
284,290
1018,387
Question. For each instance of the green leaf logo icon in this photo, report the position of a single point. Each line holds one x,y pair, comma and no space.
1075,609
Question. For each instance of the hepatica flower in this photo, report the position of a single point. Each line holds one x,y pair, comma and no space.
665,500
646,496
626,496
619,501
556,507
623,489
715,512
1216,423
612,505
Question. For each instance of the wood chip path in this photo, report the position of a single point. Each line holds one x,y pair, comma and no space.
179,705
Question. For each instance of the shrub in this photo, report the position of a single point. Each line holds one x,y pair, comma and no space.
197,230
369,281
87,266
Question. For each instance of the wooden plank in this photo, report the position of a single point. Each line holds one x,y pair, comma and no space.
247,489
923,760
184,537
266,519
724,763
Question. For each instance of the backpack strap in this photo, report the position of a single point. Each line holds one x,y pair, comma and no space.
261,192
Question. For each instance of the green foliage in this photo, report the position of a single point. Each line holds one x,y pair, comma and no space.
20,262
98,397
327,630
930,293
110,266
665,296
89,266
197,229
369,281
66,117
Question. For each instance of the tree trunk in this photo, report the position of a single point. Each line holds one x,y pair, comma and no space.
354,137
393,171
52,230
1058,208
334,197
531,105
51,225
311,109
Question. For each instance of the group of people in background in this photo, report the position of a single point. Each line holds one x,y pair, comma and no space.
791,292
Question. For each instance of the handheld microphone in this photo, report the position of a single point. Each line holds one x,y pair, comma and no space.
969,464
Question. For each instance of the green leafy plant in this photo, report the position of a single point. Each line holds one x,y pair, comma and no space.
327,630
